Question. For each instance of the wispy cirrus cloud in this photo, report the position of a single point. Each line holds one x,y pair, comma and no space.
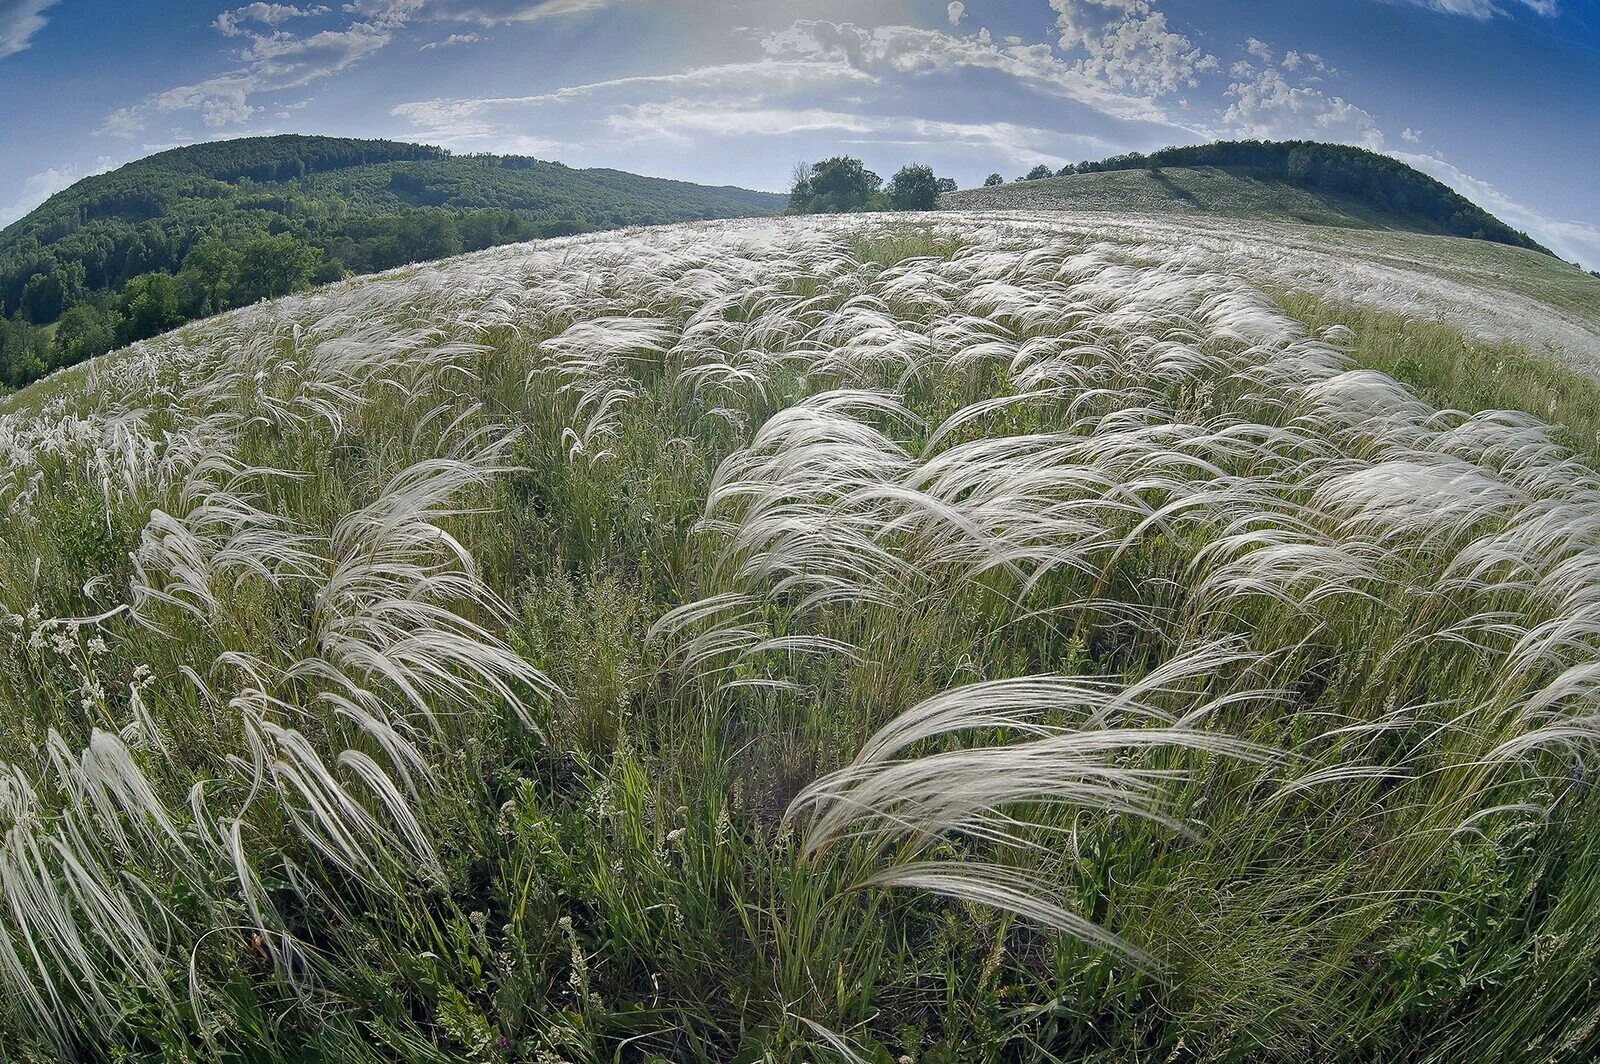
809,79
587,110
271,59
394,13
272,62
19,21
463,122
1015,143
233,23
453,40
1484,10
916,52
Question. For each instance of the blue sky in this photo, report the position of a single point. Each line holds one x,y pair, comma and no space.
1499,98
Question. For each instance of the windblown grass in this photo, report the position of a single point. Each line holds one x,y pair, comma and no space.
793,640
1454,371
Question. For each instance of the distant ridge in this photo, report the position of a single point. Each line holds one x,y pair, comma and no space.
1296,180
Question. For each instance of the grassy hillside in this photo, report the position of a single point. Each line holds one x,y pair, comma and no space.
805,639
1186,191
1490,291
196,230
1345,181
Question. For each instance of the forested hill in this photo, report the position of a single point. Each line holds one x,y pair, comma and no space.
1297,179
195,230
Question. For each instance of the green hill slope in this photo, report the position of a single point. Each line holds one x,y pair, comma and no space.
1305,181
1185,191
271,214
1406,241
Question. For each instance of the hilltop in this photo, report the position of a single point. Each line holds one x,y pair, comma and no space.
1298,181
195,230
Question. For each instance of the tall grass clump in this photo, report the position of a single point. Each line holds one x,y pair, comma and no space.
806,639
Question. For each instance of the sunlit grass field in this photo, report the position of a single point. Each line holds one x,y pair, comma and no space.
816,639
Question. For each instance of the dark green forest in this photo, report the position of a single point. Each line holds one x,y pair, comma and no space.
1379,181
197,230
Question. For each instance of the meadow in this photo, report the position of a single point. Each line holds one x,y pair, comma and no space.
971,638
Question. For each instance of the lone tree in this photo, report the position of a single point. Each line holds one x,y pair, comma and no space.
914,188
271,266
946,184
800,189
149,305
1039,173
992,180
835,186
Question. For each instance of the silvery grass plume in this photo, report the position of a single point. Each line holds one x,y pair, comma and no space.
255,562
1341,504
977,792
338,722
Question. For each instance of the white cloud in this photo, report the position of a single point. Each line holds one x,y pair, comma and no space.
219,101
1573,240
230,23
692,120
19,21
1292,60
1485,9
274,60
1266,106
1410,135
272,63
1127,45
1259,49
955,12
800,86
491,123
912,51
296,60
41,186
395,13
453,39
752,82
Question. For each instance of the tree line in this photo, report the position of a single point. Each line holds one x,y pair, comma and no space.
843,184
59,319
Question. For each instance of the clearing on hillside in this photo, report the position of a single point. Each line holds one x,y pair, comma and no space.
988,637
